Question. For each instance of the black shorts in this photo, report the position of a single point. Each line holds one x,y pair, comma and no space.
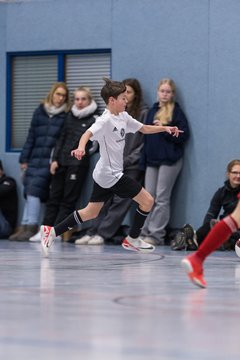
126,187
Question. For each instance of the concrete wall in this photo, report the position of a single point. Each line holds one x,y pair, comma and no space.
194,42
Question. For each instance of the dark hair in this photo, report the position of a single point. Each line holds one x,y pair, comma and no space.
135,108
112,88
1,166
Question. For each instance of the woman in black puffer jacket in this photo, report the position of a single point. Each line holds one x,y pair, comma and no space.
34,160
69,174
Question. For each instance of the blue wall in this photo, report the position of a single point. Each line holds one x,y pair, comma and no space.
195,42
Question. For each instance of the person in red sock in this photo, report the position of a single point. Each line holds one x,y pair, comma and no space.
193,264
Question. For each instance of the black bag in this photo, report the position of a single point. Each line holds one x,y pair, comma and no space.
179,242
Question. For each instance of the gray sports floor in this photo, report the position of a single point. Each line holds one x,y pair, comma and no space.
106,303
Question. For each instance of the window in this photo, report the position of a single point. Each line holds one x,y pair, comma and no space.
30,76
88,70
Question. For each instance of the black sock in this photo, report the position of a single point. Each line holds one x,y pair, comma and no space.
138,221
68,223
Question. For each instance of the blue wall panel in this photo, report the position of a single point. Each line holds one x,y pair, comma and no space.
62,24
170,39
195,42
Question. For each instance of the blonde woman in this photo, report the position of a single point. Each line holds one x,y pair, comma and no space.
162,160
109,131
45,128
68,173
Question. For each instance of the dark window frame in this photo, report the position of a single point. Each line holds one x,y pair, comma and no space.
61,74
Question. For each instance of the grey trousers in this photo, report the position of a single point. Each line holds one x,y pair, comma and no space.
159,181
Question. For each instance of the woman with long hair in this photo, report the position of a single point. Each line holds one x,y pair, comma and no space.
162,159
68,173
45,128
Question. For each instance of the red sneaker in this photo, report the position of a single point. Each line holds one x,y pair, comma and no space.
193,267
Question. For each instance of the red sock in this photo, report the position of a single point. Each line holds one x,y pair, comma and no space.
217,236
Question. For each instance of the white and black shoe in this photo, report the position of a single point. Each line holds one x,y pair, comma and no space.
137,245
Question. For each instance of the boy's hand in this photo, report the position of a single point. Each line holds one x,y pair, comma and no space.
78,153
173,130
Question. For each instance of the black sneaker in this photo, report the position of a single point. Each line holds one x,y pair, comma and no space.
190,238
179,242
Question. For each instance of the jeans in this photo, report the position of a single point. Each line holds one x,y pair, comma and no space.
32,210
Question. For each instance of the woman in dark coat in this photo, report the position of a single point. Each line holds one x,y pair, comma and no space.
163,160
34,160
68,173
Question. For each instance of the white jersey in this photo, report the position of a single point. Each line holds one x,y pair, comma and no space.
110,131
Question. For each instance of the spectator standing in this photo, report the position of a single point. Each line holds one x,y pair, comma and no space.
68,173
34,160
163,160
110,130
8,204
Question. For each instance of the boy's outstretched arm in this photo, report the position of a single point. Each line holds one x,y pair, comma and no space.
153,129
80,151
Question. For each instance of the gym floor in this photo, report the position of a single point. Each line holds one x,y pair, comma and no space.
106,303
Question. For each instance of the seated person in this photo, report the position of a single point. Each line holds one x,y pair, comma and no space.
8,204
222,204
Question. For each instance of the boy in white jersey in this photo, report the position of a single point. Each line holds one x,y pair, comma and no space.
110,130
